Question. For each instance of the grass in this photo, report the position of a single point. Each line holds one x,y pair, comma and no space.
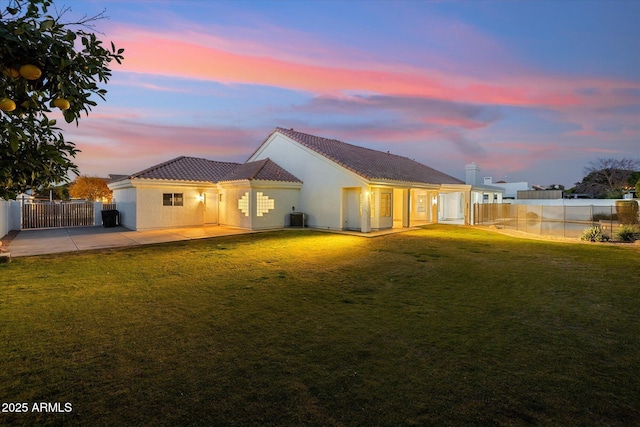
440,326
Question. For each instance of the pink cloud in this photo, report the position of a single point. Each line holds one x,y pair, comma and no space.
209,58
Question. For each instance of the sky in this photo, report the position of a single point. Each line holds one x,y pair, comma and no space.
528,90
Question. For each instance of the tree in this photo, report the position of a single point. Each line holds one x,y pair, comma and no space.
42,67
57,192
90,188
608,178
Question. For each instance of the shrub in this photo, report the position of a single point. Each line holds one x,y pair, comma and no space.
594,234
627,211
628,233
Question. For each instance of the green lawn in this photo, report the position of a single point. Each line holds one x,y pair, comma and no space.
441,326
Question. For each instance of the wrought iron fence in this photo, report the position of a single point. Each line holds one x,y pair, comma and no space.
561,221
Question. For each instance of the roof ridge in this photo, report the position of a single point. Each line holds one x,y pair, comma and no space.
264,163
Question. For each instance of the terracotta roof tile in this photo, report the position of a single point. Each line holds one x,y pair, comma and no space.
261,170
371,164
196,169
187,169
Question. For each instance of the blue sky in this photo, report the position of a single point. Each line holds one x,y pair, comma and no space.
529,91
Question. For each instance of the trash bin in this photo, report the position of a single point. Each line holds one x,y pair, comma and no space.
110,218
296,219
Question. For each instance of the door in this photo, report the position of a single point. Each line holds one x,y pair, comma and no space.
210,207
351,208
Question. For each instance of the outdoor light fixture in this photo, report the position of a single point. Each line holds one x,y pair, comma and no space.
200,197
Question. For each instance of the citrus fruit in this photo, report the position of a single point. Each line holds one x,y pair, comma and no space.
30,72
7,104
11,72
61,103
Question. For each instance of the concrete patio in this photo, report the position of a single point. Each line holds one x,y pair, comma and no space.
58,240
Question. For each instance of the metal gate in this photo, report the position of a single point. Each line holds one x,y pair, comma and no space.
55,215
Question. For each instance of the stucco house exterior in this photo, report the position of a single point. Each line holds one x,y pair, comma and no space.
336,185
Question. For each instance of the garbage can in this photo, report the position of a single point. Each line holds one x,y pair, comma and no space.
296,219
110,218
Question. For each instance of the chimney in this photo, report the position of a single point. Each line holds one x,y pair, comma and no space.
472,171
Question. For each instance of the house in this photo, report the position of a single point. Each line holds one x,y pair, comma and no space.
336,185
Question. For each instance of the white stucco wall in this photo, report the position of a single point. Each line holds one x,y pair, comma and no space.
125,200
140,203
323,180
152,213
230,214
283,201
284,196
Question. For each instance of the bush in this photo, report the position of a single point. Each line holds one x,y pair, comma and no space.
627,211
628,233
594,234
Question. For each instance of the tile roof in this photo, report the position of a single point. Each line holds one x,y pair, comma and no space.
368,163
261,170
196,169
187,169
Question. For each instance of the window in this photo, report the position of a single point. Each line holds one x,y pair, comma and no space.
385,204
172,199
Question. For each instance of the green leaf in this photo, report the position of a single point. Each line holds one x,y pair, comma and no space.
46,25
14,142
68,116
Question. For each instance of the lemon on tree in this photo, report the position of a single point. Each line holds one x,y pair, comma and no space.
11,72
7,104
30,72
61,103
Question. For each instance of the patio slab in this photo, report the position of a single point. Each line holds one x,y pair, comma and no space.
58,240
50,241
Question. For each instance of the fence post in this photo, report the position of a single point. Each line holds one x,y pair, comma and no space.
97,213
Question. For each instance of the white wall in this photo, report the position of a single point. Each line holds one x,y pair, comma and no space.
230,214
152,214
511,188
323,180
125,200
4,217
284,199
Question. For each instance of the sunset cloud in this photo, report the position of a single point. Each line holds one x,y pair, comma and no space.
515,87
168,54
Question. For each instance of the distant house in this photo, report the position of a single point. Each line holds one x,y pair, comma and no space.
337,186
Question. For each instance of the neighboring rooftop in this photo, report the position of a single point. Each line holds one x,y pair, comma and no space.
368,163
